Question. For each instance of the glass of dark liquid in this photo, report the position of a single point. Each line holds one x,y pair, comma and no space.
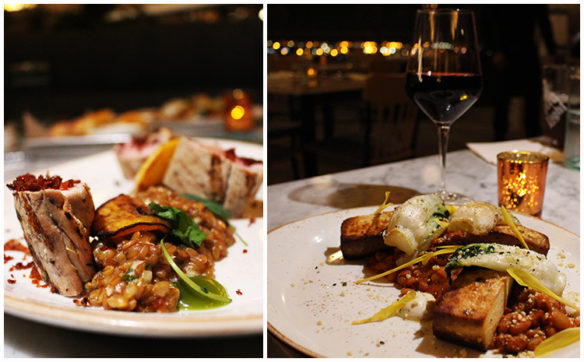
444,75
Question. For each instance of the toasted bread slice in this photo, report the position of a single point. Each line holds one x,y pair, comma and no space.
501,235
470,313
362,235
536,241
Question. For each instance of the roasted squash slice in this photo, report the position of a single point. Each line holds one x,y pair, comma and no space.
124,215
152,171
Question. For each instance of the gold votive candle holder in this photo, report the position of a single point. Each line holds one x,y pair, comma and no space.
521,181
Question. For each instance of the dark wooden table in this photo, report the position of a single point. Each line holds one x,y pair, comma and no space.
311,94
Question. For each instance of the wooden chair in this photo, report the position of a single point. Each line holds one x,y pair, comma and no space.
390,122
284,144
284,135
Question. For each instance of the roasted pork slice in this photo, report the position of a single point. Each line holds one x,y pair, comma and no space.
198,169
213,173
56,218
131,155
362,235
244,181
470,312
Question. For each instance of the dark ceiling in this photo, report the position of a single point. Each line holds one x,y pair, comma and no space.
341,22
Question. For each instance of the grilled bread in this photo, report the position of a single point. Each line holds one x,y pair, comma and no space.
470,312
501,234
362,235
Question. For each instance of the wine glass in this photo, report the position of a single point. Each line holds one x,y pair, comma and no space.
444,75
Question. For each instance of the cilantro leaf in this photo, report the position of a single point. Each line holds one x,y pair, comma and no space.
183,226
217,210
212,206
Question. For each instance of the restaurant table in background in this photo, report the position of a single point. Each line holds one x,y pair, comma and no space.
23,338
466,173
312,91
41,153
292,85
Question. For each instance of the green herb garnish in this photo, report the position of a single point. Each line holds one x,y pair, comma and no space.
456,260
217,210
212,206
237,234
129,276
424,259
183,226
192,301
194,287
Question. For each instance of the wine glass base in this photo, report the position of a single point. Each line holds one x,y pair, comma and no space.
453,197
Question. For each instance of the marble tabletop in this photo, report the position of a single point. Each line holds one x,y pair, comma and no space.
466,174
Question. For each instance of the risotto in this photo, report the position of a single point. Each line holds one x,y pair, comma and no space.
133,273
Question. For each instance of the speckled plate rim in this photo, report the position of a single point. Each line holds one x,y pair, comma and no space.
135,324
362,211
282,337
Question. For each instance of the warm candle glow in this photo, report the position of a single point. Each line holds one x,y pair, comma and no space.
261,14
18,7
521,183
237,112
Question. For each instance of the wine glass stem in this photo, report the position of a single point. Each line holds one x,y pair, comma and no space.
443,134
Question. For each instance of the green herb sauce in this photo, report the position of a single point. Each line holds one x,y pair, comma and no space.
190,300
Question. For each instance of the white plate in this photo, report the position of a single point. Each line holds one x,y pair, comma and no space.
311,304
239,271
96,139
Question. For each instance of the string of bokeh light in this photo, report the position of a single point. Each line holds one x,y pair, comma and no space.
317,48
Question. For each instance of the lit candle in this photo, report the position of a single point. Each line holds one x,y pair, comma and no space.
238,108
522,177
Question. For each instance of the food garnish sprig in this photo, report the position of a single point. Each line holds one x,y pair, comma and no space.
526,279
390,310
217,210
384,204
509,220
186,230
183,227
424,259
194,287
559,340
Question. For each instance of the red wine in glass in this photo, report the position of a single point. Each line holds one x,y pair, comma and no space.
444,76
444,97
